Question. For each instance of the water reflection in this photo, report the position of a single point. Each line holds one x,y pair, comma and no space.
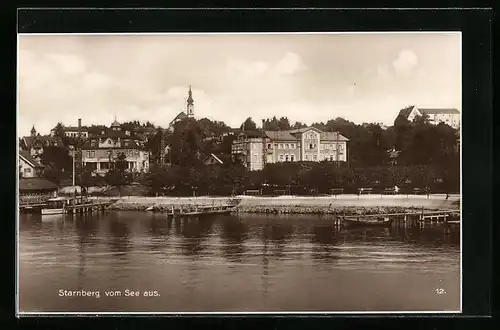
275,262
233,235
324,239
278,234
118,239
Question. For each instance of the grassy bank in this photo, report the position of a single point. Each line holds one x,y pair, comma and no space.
349,204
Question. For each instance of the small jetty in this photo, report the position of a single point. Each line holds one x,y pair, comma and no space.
200,211
65,205
408,218
194,210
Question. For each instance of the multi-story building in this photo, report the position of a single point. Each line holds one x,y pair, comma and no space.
35,144
73,131
255,149
450,117
28,166
100,152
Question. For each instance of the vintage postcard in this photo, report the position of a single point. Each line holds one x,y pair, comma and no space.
239,173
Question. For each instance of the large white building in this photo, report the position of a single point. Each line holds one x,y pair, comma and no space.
255,149
450,117
100,152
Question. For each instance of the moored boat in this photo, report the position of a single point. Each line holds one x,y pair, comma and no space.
201,211
56,205
379,221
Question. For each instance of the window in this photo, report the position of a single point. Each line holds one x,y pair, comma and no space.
307,158
281,158
331,158
293,145
281,145
269,146
286,157
104,166
315,157
310,145
27,170
286,146
131,153
292,158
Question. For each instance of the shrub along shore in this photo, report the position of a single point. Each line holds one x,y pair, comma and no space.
345,204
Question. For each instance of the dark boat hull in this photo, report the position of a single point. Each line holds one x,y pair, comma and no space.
200,214
366,223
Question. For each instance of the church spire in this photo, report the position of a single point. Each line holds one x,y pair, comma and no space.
190,103
33,131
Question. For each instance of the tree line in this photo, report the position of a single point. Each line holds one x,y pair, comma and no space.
421,146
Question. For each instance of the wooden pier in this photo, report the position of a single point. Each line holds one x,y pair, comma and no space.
412,218
87,207
72,208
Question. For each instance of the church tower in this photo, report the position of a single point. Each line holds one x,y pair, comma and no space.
190,104
33,131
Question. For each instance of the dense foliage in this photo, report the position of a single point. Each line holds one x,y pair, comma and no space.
427,156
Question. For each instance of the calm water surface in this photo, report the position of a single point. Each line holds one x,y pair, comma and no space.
231,263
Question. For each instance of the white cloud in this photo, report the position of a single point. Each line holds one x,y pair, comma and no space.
67,63
290,65
383,71
147,78
405,63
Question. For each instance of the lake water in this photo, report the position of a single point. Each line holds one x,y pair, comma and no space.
233,263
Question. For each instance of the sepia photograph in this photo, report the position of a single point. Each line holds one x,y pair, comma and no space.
177,173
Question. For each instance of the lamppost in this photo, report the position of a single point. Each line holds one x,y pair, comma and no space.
73,150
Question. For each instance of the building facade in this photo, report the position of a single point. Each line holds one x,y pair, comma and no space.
28,166
183,115
73,131
256,149
35,144
450,117
99,153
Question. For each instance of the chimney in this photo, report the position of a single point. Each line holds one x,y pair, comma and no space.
79,122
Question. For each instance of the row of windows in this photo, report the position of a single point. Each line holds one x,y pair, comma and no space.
70,134
107,165
291,158
130,153
310,146
283,145
287,158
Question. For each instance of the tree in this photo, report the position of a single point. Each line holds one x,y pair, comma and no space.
186,143
284,124
249,125
118,175
298,125
58,158
85,176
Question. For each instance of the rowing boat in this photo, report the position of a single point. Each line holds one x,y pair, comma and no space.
359,221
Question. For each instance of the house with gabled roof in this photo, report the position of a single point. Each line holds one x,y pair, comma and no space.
28,166
449,116
100,152
35,144
256,149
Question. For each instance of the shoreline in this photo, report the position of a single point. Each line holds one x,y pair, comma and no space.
342,204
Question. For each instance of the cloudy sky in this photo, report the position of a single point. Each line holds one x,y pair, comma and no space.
308,78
